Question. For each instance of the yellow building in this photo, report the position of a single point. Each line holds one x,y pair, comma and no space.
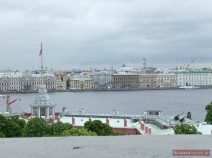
81,83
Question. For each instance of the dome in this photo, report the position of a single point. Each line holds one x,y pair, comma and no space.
42,98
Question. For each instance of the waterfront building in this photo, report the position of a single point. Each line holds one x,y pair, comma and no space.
25,81
147,80
125,80
10,81
81,83
60,85
102,79
166,80
158,80
194,77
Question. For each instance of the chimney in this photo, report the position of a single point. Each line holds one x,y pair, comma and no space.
73,121
146,130
125,123
142,126
150,131
107,121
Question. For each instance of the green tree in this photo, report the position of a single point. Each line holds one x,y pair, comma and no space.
2,135
208,117
78,132
9,128
185,129
58,128
36,127
20,122
101,129
68,83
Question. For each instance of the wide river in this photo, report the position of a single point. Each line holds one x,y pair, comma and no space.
170,102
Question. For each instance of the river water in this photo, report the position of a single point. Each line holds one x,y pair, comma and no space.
170,102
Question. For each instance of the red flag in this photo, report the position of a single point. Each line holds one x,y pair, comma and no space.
12,101
41,50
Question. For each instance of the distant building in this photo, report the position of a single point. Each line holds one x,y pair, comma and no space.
194,77
147,80
81,83
102,79
25,81
60,85
125,80
166,80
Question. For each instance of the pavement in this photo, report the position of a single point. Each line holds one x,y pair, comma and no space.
141,146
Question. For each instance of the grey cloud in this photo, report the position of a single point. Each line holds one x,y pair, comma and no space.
92,32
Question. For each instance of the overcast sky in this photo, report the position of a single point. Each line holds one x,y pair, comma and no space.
101,33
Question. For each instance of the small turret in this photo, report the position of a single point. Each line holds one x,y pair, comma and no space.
189,115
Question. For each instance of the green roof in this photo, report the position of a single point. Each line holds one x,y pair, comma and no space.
196,71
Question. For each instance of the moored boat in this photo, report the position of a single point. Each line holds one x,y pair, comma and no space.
189,87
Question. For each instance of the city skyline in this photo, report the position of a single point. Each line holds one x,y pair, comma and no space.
92,34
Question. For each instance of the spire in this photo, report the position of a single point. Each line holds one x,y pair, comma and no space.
41,59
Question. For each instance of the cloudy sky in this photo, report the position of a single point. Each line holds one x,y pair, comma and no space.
101,33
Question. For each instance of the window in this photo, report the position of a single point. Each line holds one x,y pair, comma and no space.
43,111
34,111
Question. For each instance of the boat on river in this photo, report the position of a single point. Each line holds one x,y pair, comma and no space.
189,87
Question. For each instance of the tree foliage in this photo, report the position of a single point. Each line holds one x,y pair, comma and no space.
78,132
20,122
101,129
2,135
208,117
185,129
58,128
68,83
36,127
9,128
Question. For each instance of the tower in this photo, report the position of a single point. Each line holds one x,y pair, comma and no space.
144,63
42,106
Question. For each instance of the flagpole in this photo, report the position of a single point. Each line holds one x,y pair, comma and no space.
41,56
7,92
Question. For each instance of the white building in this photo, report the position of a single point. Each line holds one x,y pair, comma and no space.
24,81
43,107
10,80
194,77
102,79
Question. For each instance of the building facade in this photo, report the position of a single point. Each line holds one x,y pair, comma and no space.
194,77
168,80
42,106
125,80
25,81
81,83
102,79
147,80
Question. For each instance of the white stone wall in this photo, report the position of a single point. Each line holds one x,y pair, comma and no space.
196,79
